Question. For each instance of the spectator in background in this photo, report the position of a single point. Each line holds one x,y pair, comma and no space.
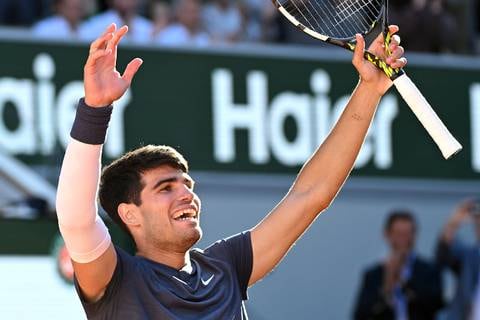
121,12
160,14
404,286
223,21
254,13
426,25
21,13
465,13
64,23
186,30
463,260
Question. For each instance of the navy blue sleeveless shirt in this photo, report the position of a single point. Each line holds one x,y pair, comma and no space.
144,289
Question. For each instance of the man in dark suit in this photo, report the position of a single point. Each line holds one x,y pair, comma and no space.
463,260
404,286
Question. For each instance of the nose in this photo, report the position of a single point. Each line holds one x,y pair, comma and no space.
187,194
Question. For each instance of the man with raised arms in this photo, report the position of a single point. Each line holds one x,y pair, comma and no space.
150,194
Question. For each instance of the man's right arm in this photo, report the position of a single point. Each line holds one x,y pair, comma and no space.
86,237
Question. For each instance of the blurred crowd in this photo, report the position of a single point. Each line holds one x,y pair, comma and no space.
407,286
439,26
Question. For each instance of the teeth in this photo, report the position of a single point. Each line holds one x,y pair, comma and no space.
189,213
186,218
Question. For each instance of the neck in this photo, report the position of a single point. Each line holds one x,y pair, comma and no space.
176,260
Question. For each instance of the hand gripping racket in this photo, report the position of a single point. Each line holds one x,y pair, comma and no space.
337,21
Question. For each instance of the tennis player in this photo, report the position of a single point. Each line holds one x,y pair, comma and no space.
149,192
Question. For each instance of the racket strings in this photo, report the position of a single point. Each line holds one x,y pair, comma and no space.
352,12
335,18
300,7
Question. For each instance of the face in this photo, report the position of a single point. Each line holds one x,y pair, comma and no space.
401,236
188,14
125,6
72,10
170,209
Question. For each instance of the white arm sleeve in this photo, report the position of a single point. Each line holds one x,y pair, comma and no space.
86,236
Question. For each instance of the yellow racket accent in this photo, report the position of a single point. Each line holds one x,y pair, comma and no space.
392,73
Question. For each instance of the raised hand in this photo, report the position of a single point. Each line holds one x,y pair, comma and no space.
392,272
463,211
371,74
103,83
461,214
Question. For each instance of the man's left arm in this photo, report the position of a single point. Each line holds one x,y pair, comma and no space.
324,173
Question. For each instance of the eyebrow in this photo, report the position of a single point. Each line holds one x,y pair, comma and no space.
173,179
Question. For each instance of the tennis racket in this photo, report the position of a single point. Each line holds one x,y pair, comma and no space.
337,21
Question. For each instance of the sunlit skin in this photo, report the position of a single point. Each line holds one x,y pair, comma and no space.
162,238
157,230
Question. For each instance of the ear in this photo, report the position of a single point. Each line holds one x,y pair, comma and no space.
129,214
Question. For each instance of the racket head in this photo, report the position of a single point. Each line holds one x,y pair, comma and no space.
335,21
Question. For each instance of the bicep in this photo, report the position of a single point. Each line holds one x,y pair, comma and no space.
93,277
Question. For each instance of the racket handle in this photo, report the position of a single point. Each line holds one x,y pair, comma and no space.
447,144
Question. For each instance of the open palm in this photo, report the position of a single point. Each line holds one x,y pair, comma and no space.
103,83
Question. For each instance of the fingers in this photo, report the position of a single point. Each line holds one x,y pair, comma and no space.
106,43
117,36
396,58
357,59
101,41
393,28
99,54
98,47
132,69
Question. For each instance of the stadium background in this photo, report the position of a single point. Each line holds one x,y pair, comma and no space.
193,99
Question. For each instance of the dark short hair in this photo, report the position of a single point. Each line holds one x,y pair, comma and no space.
121,181
398,215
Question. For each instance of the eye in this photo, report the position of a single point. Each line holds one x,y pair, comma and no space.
166,188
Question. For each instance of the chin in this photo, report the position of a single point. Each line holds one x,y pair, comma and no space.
193,237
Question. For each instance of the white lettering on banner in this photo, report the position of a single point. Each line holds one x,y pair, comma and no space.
20,94
475,125
313,117
43,119
228,116
298,107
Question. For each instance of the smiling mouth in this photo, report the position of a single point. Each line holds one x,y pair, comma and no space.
186,215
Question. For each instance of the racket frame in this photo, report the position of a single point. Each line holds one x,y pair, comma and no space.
447,144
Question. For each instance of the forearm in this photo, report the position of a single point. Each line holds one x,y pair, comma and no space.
85,234
79,176
77,185
317,184
325,172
